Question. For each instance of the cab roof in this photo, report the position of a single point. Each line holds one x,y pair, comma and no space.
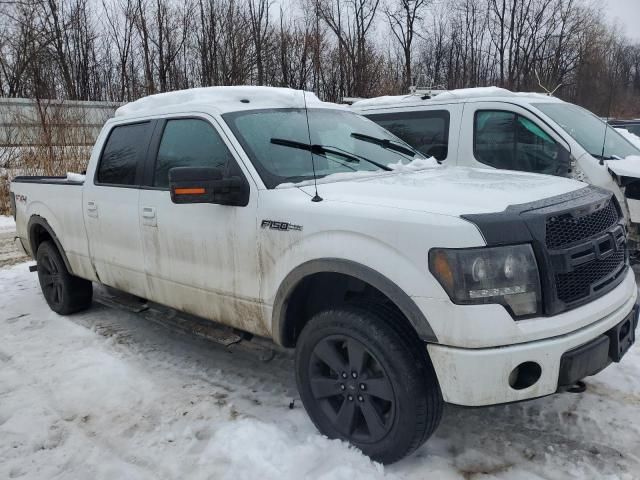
452,96
223,99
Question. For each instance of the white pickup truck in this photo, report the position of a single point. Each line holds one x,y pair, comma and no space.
402,284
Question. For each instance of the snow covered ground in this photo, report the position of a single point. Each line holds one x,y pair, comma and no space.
7,224
9,254
107,394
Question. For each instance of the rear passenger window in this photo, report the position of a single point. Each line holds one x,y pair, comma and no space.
125,147
189,143
427,132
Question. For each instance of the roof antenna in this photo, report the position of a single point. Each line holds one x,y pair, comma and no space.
549,93
606,125
316,197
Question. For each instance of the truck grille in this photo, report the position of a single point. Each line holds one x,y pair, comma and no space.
591,250
563,230
579,240
594,275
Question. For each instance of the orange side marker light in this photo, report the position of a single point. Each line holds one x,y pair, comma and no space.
189,191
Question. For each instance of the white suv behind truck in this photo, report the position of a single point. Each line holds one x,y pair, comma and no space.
496,128
402,284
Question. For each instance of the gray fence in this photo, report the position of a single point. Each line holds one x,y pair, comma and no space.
53,123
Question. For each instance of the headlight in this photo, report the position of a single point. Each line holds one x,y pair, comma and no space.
505,275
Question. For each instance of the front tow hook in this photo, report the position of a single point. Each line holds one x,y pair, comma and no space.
578,387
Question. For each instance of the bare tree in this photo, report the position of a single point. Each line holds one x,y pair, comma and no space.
402,17
259,21
351,22
119,23
122,49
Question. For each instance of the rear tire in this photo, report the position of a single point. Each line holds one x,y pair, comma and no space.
64,293
365,379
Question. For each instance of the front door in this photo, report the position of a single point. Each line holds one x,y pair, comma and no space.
110,205
507,136
199,258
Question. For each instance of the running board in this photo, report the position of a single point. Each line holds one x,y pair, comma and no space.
184,323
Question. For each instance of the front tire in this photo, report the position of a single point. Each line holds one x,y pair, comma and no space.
64,293
365,378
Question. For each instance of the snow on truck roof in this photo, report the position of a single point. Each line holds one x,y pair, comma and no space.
450,95
225,99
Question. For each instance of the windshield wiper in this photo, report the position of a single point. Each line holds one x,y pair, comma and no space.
384,143
322,150
605,157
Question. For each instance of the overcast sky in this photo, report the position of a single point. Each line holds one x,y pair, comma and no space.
627,14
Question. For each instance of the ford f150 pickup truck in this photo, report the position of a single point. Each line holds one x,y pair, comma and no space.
401,283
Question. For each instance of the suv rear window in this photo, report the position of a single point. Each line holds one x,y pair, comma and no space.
426,131
125,148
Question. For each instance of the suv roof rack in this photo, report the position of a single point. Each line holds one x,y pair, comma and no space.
426,93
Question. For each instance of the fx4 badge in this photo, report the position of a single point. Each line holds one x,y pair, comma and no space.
282,226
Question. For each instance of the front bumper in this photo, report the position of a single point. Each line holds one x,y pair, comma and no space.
476,377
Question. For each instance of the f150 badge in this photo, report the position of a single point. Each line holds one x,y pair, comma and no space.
282,226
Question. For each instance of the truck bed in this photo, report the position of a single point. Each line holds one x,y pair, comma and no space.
59,202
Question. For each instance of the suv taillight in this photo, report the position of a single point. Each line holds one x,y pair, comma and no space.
12,201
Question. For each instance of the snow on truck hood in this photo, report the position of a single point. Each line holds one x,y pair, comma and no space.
627,167
446,190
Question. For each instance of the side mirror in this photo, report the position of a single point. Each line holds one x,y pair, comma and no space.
207,185
193,184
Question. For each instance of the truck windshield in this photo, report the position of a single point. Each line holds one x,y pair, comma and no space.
588,130
341,142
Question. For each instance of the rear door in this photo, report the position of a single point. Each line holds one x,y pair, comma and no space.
199,258
110,203
433,132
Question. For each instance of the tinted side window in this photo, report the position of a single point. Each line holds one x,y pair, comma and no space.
513,142
189,143
494,139
125,148
427,132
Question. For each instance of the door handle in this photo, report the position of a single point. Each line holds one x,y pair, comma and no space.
92,209
149,212
149,217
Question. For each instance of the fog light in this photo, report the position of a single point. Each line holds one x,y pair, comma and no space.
525,375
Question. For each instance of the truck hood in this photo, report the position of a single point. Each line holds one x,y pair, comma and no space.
627,167
450,191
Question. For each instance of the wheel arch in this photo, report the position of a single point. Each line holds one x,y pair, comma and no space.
38,231
282,323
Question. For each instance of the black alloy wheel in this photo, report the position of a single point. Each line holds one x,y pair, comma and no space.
50,279
364,376
64,293
352,388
